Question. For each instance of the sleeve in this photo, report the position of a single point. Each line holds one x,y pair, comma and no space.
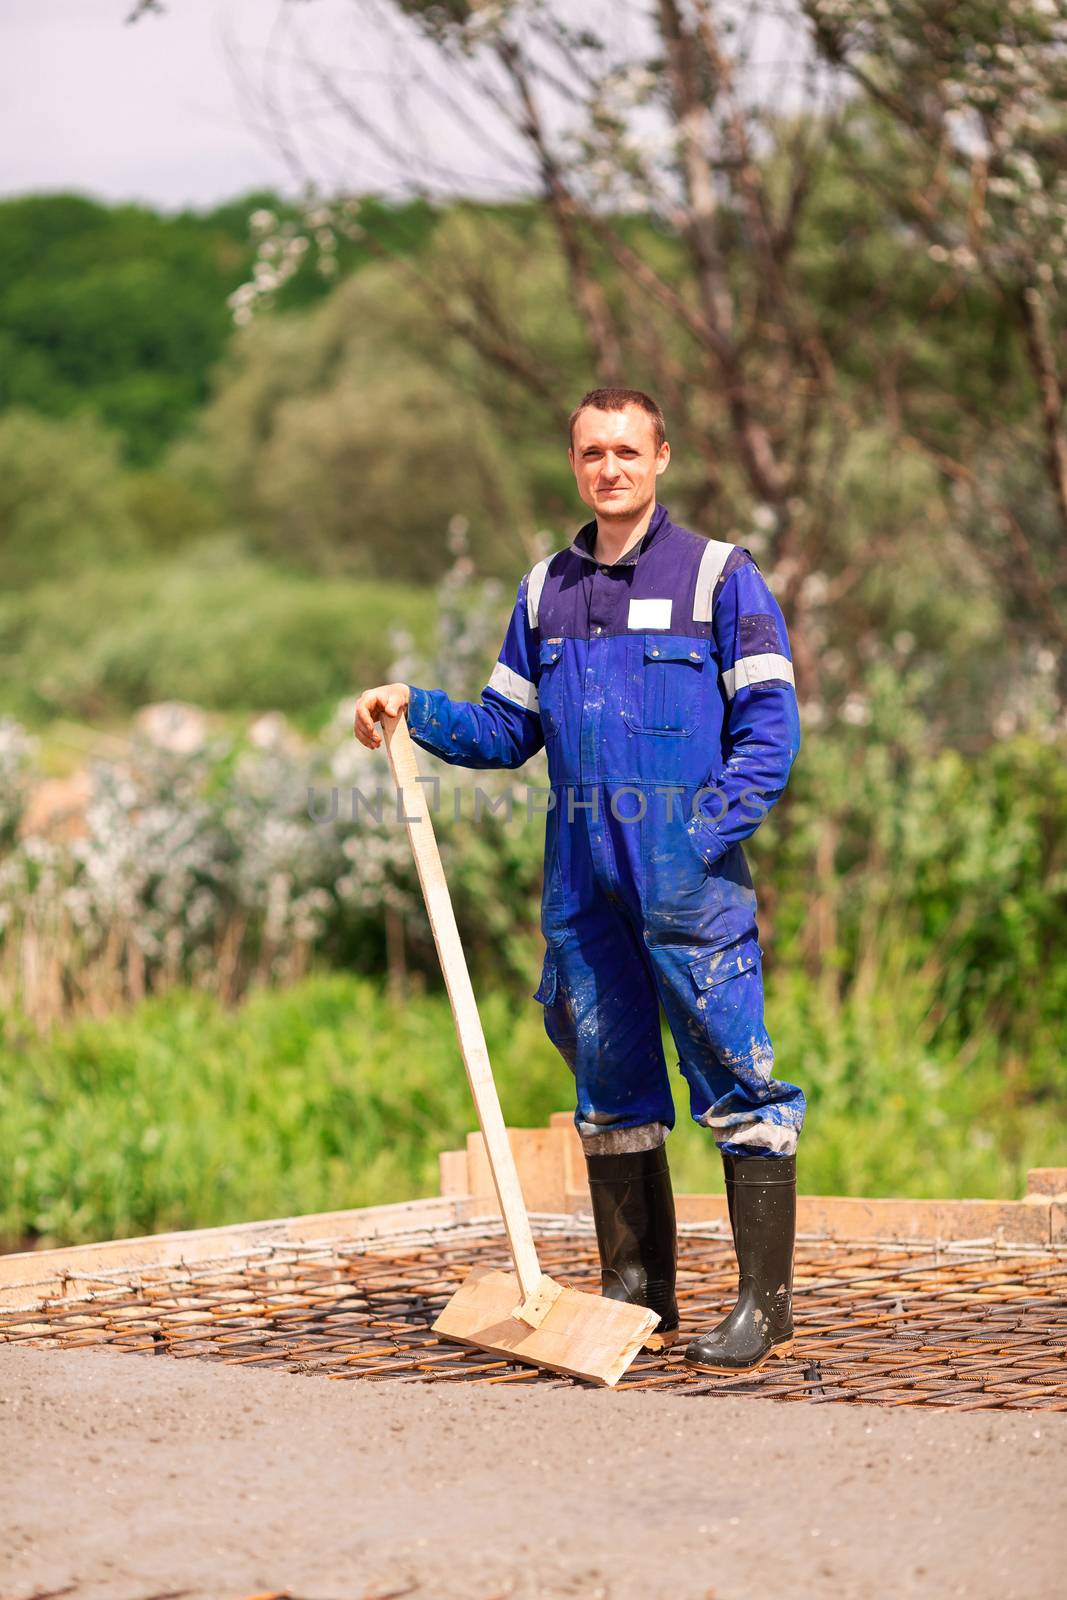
761,734
505,729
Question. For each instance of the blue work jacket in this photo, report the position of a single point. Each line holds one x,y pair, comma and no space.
667,670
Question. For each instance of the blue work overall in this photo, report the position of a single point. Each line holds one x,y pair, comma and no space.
662,689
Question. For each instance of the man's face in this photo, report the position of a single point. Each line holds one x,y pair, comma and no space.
615,461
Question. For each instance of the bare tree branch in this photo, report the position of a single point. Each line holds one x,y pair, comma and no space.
1046,371
589,296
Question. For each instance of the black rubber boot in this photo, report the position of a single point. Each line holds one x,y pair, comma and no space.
762,1195
633,1209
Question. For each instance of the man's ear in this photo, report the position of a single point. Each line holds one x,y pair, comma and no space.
663,460
570,456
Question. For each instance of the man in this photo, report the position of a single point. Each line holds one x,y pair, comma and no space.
654,666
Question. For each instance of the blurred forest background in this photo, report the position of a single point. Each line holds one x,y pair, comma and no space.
256,458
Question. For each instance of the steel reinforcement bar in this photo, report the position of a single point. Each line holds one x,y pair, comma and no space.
960,1326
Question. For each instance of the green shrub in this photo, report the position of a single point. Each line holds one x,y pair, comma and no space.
213,625
182,1114
62,499
330,1094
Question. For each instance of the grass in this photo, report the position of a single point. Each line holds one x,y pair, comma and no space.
183,1114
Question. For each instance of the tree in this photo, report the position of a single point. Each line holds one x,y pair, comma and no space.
777,270
63,498
122,311
347,439
977,94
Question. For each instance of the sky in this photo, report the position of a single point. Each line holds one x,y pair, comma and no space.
174,109
146,112
167,110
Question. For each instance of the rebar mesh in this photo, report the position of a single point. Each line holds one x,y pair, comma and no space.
955,1326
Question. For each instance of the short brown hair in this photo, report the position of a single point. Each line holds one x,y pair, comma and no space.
618,400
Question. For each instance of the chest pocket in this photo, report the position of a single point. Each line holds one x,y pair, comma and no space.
666,678
550,685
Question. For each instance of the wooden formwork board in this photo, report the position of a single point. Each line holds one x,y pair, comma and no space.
552,1171
552,1168
37,1275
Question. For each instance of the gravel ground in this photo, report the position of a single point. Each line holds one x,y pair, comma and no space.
127,1477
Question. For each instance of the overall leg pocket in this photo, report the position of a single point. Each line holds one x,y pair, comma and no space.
748,1109
546,989
678,900
728,883
684,900
559,1016
718,966
728,997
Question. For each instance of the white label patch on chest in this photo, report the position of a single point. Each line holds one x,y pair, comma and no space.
649,614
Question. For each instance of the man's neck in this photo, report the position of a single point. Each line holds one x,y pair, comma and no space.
615,536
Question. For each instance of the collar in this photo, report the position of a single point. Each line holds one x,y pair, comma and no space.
585,540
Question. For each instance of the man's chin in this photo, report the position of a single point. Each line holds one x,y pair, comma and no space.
616,508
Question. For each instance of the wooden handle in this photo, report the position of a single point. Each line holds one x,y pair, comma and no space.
472,1044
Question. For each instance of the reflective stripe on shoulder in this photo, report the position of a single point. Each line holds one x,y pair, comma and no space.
709,572
747,670
514,687
536,583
